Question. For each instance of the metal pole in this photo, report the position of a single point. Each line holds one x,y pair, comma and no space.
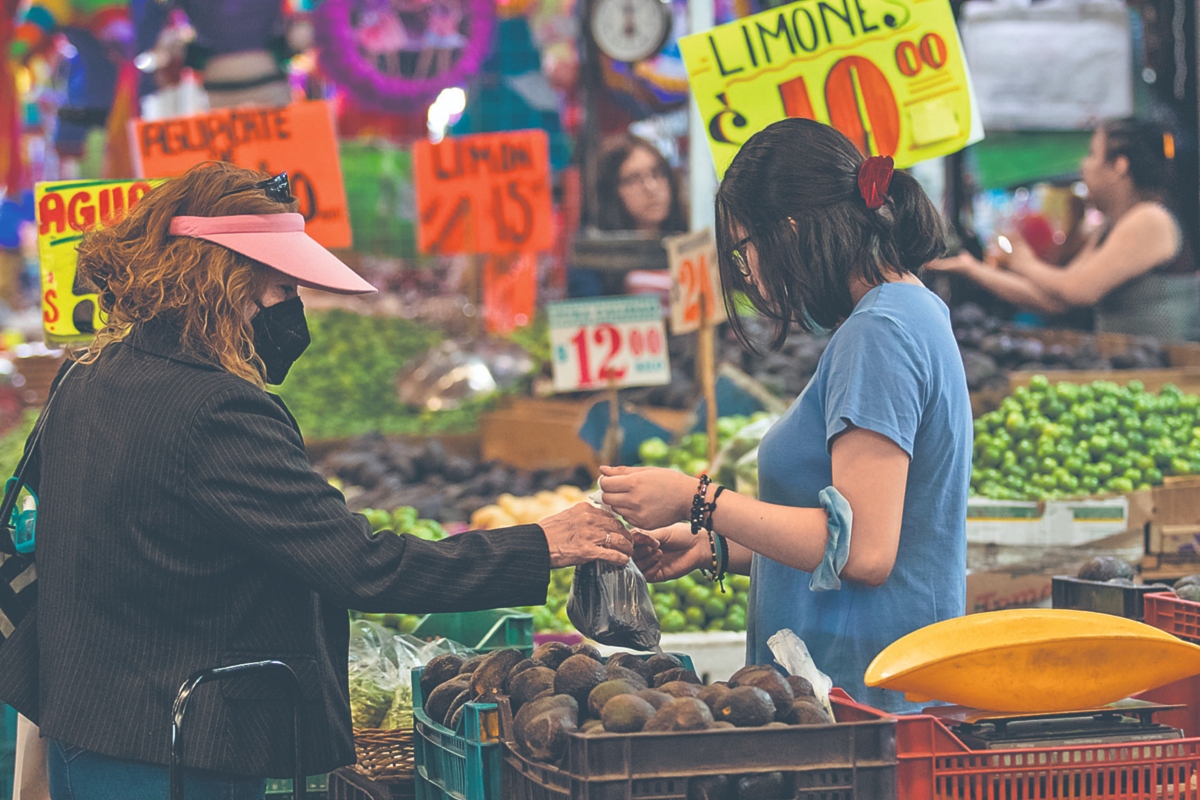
702,176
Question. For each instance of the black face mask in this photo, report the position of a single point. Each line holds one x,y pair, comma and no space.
280,336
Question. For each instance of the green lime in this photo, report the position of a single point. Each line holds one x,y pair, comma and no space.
714,607
673,622
694,615
1153,476
654,452
685,584
739,583
697,596
1134,475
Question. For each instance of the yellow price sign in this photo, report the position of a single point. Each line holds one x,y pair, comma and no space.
65,209
890,74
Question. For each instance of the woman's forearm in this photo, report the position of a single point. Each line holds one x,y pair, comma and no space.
794,537
1015,289
740,558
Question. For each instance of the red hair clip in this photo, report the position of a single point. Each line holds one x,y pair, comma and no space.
874,177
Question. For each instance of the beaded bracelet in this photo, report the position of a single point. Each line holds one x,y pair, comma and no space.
720,552
699,507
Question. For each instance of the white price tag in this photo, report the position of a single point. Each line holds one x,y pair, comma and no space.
611,341
695,279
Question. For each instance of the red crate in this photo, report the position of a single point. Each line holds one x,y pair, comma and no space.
1165,611
935,765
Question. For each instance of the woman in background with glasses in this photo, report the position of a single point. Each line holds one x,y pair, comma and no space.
181,527
637,191
859,534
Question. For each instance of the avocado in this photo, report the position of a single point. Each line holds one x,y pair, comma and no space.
626,713
680,689
800,687
771,682
712,696
808,711
631,662
747,707
577,676
488,678
677,674
683,714
471,664
521,666
592,725
456,718
540,706
616,672
708,787
768,786
545,736
662,662
442,697
528,685
606,691
1105,568
655,697
552,654
585,649
438,671
463,698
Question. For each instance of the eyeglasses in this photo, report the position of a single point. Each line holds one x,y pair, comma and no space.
739,258
278,188
642,178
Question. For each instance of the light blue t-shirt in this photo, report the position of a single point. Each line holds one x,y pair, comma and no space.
893,368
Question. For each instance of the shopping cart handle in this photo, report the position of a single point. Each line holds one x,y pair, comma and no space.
299,787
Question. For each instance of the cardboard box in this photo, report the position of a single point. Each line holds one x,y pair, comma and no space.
1062,523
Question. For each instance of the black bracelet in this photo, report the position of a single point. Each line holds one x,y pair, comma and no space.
724,555
711,507
699,508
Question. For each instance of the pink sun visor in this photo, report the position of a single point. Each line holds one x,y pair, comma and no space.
279,241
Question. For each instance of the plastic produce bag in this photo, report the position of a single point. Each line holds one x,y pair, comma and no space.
746,474
792,654
380,670
725,468
612,606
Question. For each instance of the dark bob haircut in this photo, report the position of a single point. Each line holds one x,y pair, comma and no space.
612,215
793,188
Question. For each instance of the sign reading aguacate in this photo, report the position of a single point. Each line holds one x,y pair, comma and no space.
298,139
65,209
889,74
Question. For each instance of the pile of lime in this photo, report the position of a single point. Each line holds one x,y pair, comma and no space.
1070,440
691,454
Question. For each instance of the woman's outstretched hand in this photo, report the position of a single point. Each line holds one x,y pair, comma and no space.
584,533
671,552
647,497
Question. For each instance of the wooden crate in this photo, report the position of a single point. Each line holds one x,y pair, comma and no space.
37,373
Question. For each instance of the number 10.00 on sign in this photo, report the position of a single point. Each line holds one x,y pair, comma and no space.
609,342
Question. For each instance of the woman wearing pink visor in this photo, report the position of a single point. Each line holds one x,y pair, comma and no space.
181,526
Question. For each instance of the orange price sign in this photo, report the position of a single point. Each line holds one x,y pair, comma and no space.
486,193
695,281
889,74
298,139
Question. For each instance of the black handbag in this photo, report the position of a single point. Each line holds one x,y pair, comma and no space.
18,573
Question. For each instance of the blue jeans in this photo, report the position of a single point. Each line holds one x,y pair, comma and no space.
78,774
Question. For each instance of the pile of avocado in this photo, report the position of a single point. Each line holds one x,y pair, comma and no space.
561,689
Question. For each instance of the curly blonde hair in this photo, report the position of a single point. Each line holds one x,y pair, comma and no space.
142,272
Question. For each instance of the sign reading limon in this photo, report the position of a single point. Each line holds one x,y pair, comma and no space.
890,74
65,209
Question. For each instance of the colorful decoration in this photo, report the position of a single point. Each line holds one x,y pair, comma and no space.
399,54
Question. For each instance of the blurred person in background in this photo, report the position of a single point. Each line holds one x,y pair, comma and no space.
1137,270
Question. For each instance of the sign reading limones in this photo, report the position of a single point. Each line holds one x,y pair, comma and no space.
608,343
889,74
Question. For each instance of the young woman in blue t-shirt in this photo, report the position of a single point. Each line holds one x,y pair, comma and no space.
859,535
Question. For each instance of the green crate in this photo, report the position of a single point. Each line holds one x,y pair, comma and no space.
8,749
453,767
317,786
482,631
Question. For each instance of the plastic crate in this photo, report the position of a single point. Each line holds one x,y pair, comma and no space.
935,765
349,784
1105,598
8,749
282,787
482,631
463,767
1165,611
852,760
451,766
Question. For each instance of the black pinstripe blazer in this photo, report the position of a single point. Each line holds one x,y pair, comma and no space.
180,527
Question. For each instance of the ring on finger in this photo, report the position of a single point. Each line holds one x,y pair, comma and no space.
607,539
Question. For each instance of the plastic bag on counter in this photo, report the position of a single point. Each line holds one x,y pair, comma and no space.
792,654
611,605
380,670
